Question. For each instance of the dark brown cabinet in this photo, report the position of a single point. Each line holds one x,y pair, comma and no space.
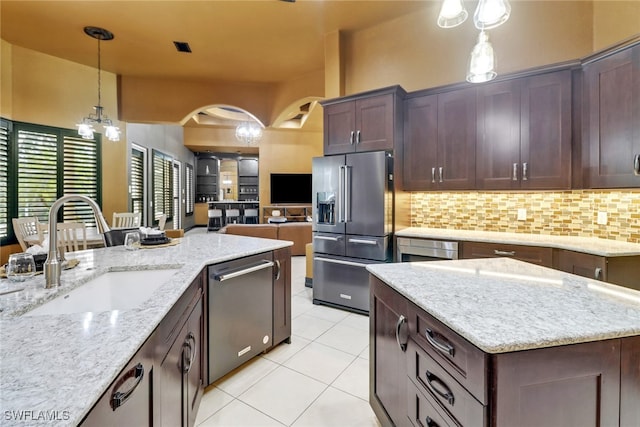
389,336
621,270
630,382
533,254
367,122
440,141
612,120
524,133
282,296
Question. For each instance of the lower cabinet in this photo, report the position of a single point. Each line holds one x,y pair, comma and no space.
533,254
434,377
282,296
621,270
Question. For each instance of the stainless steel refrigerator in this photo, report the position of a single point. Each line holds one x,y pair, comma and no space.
352,225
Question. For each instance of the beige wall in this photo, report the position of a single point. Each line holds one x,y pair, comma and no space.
43,89
614,21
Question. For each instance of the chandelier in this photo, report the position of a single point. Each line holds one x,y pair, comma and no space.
489,14
98,117
249,132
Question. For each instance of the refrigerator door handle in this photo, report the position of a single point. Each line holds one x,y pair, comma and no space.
339,261
347,193
363,242
341,199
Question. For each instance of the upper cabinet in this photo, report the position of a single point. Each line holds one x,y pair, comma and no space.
247,178
612,120
367,122
524,133
439,141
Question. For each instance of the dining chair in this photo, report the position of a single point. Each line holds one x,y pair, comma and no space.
126,219
28,231
162,221
72,236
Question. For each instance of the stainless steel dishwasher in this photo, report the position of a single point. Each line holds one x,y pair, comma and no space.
240,312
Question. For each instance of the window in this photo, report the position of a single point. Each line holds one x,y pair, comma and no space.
137,168
162,185
39,165
188,185
176,194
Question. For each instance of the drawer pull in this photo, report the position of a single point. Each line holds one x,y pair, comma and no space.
431,423
504,253
440,388
401,321
118,398
598,273
443,347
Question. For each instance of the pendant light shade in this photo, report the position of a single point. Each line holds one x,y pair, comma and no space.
491,13
452,14
249,132
482,62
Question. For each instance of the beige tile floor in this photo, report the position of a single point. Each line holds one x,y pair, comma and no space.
320,379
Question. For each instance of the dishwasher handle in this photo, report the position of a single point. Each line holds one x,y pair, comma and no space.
241,272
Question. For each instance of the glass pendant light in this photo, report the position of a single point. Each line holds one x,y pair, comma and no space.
452,14
491,13
482,63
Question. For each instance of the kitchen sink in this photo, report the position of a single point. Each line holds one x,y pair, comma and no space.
114,290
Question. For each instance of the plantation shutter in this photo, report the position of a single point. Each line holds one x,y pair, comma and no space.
162,185
80,173
4,179
176,195
137,180
188,184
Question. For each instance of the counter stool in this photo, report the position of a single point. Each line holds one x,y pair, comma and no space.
215,219
250,216
232,216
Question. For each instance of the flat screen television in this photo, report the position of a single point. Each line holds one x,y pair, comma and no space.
291,188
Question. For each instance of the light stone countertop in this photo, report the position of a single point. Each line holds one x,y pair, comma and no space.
502,305
58,366
590,245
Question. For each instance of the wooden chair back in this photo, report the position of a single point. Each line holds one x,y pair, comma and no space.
162,221
25,227
126,219
72,236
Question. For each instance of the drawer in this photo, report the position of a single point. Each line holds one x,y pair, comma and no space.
368,247
464,361
533,254
424,411
328,243
436,382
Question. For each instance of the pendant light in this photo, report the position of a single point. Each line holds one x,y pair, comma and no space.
482,63
452,14
491,13
85,127
249,132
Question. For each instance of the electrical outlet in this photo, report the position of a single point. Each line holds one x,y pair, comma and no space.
522,214
602,218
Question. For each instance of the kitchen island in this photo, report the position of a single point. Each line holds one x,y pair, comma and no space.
500,342
54,368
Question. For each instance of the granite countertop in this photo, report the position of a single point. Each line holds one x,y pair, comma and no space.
53,368
502,305
590,245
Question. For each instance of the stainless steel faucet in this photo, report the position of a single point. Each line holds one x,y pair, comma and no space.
52,266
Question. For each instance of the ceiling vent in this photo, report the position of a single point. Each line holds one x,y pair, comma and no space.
182,47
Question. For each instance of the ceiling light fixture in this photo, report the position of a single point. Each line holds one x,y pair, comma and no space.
85,127
489,14
249,132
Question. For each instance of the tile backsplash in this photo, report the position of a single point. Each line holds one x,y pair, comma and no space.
563,213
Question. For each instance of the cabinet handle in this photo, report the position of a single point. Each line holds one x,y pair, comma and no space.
515,172
597,274
440,173
351,137
443,347
117,397
636,164
401,321
186,356
524,171
440,387
433,175
357,137
226,276
431,423
504,253
277,269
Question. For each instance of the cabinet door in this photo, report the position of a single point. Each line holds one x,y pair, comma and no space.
545,156
630,382
339,128
533,254
375,121
389,336
457,140
193,363
612,92
585,265
420,143
572,385
282,296
498,151
171,376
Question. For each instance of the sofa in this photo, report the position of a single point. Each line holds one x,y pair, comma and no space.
297,232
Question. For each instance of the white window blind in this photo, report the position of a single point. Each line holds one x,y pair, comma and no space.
162,185
4,179
80,173
188,185
137,180
176,195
